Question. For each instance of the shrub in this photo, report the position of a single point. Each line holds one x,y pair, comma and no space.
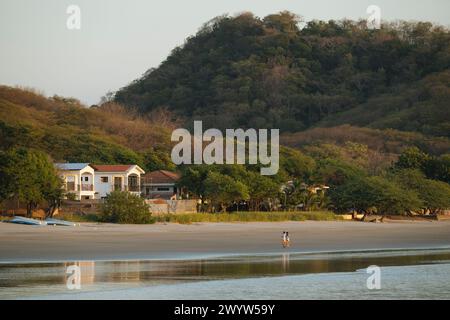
78,217
124,207
247,217
71,196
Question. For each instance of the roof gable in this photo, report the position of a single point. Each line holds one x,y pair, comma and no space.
161,176
116,167
112,167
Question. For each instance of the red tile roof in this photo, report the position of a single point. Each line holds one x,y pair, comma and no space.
161,176
112,167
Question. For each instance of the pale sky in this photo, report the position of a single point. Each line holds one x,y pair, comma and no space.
119,40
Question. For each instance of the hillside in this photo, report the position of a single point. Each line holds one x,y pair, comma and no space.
110,133
69,131
246,71
387,141
335,89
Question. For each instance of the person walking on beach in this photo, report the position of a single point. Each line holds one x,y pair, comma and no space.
285,239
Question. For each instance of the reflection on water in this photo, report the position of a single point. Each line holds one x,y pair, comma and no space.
39,279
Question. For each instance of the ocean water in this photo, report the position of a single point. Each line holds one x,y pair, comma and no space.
403,274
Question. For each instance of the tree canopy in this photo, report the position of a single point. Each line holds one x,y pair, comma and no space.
29,176
246,71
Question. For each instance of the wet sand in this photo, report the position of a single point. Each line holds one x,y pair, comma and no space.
90,241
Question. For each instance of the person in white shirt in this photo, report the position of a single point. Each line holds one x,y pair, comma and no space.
284,239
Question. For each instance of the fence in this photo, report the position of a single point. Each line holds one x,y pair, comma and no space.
160,206
87,206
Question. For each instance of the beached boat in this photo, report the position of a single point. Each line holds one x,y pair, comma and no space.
56,222
27,221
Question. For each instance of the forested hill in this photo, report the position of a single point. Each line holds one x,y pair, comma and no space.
245,71
69,131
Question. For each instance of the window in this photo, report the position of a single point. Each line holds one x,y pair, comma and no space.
85,179
104,179
163,189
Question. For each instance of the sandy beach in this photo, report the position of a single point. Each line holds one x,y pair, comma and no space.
90,241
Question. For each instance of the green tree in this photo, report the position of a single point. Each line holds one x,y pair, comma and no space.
222,190
193,177
438,168
7,181
53,194
260,188
124,207
412,158
390,198
336,172
30,177
373,195
295,164
435,195
305,196
353,195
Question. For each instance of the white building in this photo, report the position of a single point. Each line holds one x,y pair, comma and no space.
117,177
88,181
78,179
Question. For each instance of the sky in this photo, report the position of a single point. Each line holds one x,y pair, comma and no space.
119,40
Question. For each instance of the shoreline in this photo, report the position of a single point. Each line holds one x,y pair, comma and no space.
109,242
405,251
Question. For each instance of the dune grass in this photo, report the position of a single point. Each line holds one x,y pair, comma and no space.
78,217
189,218
247,217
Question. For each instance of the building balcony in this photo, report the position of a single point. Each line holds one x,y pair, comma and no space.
133,188
86,187
72,187
130,188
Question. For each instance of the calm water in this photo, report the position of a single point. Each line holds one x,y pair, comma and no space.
407,274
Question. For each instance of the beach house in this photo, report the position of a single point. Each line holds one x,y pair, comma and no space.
121,177
88,181
161,184
78,179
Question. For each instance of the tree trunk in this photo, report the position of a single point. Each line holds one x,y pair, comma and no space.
28,210
51,210
30,206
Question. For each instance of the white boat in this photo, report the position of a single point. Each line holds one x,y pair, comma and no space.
57,222
27,221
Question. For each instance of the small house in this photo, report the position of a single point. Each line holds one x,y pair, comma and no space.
161,184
